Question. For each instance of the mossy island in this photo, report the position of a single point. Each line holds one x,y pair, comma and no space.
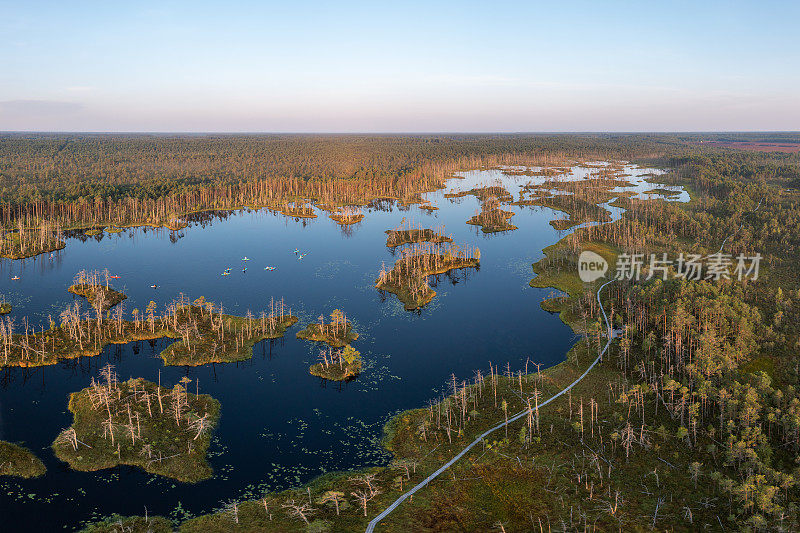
138,423
205,333
27,242
491,218
338,365
210,336
408,279
404,234
337,333
18,461
95,287
347,215
484,193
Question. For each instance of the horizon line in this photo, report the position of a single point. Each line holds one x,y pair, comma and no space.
444,132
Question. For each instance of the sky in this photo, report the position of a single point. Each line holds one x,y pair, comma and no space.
431,66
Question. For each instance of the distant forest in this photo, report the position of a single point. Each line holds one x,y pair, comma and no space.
88,179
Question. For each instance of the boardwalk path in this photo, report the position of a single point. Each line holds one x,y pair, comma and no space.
398,501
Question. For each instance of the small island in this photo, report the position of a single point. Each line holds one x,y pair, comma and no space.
484,193
5,308
338,332
163,431
205,334
208,337
347,215
19,462
97,291
338,365
491,218
404,234
408,279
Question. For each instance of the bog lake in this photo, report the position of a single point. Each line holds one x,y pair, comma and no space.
280,426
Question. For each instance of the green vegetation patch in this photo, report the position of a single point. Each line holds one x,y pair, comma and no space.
347,215
339,365
95,287
399,237
130,524
559,270
492,219
338,332
579,209
205,333
19,462
98,296
662,192
139,423
5,308
483,193
209,337
408,279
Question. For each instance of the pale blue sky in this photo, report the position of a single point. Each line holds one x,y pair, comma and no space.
399,67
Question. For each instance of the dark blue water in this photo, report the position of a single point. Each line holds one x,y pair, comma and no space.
280,426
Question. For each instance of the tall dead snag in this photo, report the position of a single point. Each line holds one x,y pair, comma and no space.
299,510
